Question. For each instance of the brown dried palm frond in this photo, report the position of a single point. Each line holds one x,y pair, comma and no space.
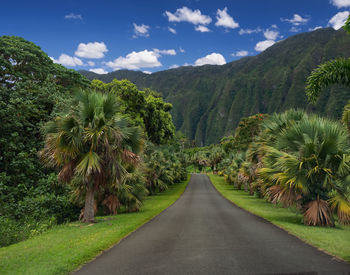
286,196
67,172
112,203
130,157
318,213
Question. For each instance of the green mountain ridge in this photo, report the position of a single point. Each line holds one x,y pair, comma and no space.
210,100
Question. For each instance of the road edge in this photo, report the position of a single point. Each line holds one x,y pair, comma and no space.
131,232
280,227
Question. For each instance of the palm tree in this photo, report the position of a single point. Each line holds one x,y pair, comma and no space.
90,145
336,71
309,164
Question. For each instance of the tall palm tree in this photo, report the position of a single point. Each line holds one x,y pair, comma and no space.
90,145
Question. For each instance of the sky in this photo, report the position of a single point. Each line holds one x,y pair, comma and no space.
154,35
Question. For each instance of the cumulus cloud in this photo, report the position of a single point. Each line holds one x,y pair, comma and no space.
174,66
164,52
225,20
271,34
91,63
263,45
135,61
185,14
93,50
98,71
147,72
240,53
73,16
181,50
201,28
341,3
141,30
249,31
211,59
338,20
172,30
296,20
67,60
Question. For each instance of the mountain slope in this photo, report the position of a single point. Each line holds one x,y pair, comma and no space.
209,100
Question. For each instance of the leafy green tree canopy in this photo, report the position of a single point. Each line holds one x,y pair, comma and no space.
144,108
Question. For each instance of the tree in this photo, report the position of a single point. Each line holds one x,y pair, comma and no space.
336,71
90,145
309,164
145,109
32,90
22,61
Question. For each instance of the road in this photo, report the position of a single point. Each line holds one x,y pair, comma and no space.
203,233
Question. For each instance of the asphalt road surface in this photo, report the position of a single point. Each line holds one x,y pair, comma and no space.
202,233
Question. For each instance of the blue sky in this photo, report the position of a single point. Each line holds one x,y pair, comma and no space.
151,36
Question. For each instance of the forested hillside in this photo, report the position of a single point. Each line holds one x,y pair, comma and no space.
208,101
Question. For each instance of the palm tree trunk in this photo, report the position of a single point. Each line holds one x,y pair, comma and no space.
89,212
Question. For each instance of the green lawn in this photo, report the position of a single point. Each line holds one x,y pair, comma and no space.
66,247
335,241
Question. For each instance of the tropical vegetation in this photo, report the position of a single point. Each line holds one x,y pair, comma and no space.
73,148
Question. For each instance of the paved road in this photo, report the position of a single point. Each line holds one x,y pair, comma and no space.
202,233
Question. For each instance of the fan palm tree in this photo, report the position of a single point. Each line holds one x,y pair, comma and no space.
309,164
90,145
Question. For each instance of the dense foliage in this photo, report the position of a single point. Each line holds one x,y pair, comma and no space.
294,159
209,101
33,91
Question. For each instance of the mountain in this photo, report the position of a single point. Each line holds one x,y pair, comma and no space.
209,100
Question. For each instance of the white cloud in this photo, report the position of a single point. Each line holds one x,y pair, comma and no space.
341,3
295,29
274,26
187,15
296,20
164,52
270,34
211,59
67,60
263,45
201,28
315,28
91,63
93,50
147,72
98,71
249,31
181,50
225,20
135,61
338,20
141,30
172,30
174,66
240,53
73,16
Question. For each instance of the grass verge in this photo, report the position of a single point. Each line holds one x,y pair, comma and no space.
66,247
335,241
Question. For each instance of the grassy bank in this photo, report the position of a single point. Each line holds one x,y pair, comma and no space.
66,247
335,241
